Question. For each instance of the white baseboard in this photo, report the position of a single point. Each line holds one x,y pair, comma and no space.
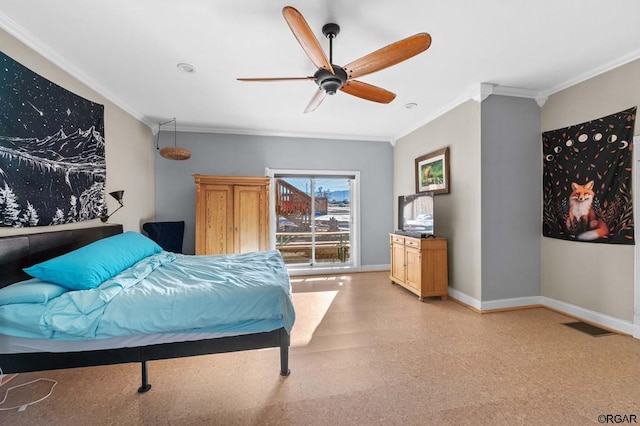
374,268
464,298
493,305
592,316
336,270
604,320
516,302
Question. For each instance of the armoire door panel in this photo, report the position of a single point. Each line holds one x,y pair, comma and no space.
232,214
218,219
249,206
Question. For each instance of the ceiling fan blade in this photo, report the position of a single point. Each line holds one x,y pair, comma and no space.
305,37
388,56
276,78
368,91
316,100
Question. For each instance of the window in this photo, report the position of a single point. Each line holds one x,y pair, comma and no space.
315,221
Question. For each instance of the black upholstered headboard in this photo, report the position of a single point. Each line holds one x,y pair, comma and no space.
21,251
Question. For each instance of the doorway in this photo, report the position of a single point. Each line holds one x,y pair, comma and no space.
315,218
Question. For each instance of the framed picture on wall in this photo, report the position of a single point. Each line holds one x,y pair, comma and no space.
432,172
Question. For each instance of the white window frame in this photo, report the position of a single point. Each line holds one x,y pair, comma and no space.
354,250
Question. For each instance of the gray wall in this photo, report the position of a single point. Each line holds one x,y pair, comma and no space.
242,155
492,217
511,205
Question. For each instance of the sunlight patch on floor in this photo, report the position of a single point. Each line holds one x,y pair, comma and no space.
311,308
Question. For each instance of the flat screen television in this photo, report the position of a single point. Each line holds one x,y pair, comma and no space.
416,215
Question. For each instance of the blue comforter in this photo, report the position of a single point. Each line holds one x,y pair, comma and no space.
170,292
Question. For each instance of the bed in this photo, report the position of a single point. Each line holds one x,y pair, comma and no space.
67,343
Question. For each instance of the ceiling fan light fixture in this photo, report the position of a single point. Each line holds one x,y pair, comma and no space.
331,85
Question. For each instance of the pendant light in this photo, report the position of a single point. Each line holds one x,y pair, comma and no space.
172,152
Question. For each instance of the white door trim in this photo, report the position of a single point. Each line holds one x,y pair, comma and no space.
355,251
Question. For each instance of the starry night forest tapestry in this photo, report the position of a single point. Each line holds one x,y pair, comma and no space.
52,165
587,180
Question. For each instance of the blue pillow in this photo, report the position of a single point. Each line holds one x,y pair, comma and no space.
91,265
30,291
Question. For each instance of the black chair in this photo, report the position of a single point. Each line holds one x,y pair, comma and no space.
168,235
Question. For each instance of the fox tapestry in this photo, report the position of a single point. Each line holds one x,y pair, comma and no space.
587,171
52,165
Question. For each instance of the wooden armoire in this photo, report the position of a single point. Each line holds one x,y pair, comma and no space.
232,214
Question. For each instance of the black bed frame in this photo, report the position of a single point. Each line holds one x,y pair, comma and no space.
17,252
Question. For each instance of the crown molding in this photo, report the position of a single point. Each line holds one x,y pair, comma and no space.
274,133
594,72
482,91
539,96
46,52
477,93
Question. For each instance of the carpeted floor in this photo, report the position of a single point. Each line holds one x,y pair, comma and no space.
377,357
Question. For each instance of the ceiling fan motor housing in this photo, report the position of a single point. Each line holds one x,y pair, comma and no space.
331,30
330,83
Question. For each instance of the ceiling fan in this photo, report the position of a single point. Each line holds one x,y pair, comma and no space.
331,78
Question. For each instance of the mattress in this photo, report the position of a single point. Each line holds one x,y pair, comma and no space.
161,299
12,344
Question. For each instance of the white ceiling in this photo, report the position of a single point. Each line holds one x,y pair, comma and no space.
128,50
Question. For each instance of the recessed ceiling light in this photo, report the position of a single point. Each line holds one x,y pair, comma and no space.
188,68
410,105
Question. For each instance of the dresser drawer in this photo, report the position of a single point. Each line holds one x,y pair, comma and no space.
396,239
412,243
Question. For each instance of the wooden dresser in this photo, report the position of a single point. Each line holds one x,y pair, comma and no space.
420,265
232,214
